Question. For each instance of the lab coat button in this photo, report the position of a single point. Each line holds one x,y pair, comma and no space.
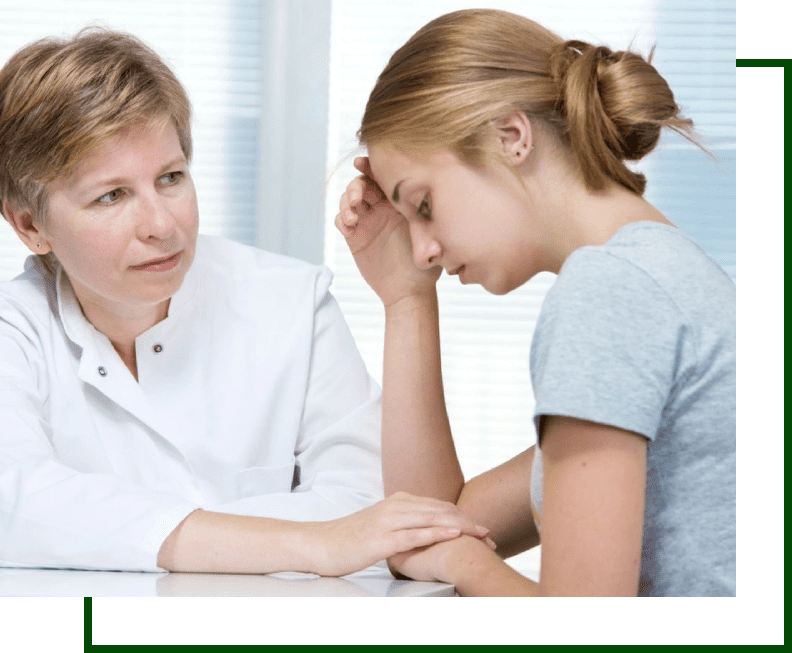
157,348
102,371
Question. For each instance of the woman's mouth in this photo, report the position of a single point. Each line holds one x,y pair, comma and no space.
159,264
458,272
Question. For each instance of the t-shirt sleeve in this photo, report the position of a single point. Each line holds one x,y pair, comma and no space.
605,348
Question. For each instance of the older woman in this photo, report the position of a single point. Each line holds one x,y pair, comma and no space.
168,400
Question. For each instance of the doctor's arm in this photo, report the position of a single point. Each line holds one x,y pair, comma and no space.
223,543
54,515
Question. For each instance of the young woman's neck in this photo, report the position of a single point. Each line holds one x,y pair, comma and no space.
576,216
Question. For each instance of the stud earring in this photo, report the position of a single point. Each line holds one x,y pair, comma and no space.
38,245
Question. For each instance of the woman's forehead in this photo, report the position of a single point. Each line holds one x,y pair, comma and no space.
136,147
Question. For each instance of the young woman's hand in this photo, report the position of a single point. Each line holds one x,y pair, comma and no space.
466,563
402,522
379,239
445,562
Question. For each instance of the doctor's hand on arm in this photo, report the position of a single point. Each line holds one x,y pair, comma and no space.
222,543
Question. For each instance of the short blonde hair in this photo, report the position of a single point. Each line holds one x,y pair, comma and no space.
62,98
466,69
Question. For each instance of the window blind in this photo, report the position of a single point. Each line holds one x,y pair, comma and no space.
486,339
214,48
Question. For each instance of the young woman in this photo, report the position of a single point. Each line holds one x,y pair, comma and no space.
168,400
497,150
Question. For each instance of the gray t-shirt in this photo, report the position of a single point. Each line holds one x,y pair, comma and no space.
639,333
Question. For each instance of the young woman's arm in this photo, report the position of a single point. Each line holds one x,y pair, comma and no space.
417,447
500,499
592,522
593,508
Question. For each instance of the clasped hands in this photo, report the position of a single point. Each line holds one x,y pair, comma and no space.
402,528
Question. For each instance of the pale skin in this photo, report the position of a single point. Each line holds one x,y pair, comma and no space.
123,226
406,218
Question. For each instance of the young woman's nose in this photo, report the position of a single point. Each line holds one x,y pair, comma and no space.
426,250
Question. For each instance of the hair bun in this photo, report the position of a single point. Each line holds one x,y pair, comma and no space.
615,105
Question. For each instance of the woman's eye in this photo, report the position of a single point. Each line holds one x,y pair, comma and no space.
424,210
111,197
172,178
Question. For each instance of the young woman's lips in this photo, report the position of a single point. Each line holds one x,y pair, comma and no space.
159,264
458,272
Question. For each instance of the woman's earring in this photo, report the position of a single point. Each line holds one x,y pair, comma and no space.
38,245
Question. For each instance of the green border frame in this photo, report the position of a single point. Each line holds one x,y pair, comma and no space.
754,617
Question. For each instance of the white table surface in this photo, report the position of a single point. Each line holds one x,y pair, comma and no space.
63,582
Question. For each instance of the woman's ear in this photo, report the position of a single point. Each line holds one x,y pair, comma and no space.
516,136
22,222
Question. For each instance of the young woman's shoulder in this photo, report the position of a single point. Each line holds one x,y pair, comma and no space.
649,262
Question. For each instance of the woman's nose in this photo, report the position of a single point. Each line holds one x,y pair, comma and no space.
156,219
426,250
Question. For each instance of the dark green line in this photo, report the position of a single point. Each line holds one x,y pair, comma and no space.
762,63
87,620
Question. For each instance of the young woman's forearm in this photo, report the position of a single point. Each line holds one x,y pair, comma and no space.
475,570
468,564
500,499
417,448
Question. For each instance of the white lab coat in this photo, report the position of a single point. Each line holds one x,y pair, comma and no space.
253,372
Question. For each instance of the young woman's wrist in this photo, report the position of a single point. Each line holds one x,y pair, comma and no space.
465,561
416,302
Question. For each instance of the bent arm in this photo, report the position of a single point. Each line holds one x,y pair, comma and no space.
500,499
417,447
54,516
82,515
592,522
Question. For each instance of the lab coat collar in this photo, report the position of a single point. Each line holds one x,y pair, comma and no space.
82,333
100,365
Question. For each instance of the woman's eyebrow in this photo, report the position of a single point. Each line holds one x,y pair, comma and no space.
395,196
121,180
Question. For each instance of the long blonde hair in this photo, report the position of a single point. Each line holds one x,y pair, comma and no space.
460,72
